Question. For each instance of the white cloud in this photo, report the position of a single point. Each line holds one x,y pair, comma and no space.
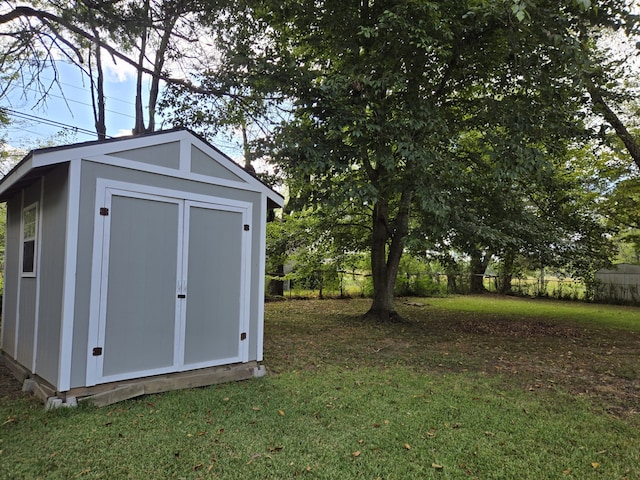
119,71
123,132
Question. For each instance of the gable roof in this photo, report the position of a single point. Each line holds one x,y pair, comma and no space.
188,149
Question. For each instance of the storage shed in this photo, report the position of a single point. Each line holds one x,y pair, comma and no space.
133,265
620,284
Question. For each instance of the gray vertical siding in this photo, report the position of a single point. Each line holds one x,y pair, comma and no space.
26,321
12,276
54,220
27,314
86,216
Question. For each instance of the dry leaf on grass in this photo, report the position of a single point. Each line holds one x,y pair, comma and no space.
254,457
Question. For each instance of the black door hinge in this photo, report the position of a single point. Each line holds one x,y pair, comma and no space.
104,211
243,336
246,227
97,351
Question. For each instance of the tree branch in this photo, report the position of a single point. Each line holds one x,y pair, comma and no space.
610,116
28,12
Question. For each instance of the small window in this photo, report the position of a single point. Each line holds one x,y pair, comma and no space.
29,239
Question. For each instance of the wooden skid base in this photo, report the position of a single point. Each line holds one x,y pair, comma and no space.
15,368
109,393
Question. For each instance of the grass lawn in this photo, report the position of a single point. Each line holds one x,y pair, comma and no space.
466,388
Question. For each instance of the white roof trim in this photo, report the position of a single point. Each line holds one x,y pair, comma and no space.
16,174
99,151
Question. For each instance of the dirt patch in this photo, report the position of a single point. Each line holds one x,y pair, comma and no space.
536,354
598,363
517,329
10,387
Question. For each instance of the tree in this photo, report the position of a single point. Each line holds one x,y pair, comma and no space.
380,89
146,35
547,216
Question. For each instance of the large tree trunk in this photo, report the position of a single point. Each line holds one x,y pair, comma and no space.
452,272
384,266
507,273
275,288
479,265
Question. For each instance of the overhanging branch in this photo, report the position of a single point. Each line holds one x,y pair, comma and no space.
24,12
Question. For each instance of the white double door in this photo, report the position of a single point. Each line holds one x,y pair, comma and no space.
173,284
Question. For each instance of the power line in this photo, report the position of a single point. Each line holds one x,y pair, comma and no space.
84,89
52,123
87,105
62,97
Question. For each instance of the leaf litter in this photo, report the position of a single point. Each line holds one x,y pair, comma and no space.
538,353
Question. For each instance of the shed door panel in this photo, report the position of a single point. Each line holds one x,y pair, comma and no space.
172,292
214,285
141,293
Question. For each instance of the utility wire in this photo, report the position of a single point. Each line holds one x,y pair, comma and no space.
84,89
52,123
33,89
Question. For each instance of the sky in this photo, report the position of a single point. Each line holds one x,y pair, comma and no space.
70,105
67,115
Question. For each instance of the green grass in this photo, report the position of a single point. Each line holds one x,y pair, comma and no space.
596,314
456,392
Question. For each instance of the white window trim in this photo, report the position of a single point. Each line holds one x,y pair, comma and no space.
33,206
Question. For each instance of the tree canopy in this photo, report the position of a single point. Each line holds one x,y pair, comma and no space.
385,93
449,123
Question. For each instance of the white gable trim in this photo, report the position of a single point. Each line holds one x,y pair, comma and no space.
171,172
234,168
64,154
102,152
21,171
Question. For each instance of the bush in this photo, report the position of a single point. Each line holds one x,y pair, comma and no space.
426,286
419,285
